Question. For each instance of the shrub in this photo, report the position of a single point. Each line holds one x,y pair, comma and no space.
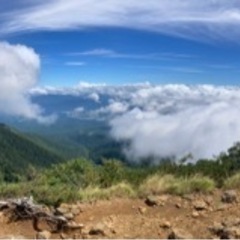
111,173
13,190
54,195
192,184
116,191
78,173
232,182
158,184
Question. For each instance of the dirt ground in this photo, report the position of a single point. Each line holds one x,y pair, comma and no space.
133,218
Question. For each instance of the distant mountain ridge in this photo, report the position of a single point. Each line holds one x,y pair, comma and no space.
18,152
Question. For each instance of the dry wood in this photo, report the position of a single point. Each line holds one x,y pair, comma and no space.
26,209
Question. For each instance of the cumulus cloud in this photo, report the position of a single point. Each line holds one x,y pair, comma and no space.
191,19
19,68
94,96
175,120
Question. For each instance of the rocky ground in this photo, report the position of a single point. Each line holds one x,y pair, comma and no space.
214,216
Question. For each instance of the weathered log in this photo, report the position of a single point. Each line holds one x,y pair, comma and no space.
26,209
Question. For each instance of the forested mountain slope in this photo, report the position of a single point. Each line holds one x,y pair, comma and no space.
18,152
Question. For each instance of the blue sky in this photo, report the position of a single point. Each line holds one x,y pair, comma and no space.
127,42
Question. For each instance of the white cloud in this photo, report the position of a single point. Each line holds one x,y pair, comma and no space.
167,120
75,64
185,18
94,96
174,120
108,53
114,108
19,67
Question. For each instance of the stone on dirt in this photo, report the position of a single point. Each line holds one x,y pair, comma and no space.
229,196
151,201
165,224
200,205
178,233
142,210
99,229
43,235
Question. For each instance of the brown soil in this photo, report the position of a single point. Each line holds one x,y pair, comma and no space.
132,218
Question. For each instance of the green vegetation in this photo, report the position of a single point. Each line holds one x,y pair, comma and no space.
18,154
233,182
158,184
119,190
32,167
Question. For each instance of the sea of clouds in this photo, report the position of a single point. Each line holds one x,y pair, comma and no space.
164,120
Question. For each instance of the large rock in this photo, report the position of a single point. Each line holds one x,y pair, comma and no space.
43,235
229,196
178,233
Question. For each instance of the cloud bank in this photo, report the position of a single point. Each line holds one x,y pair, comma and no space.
19,68
195,19
163,120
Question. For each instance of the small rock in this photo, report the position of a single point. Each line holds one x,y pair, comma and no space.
229,196
74,226
75,211
142,210
231,233
62,211
43,235
189,198
230,222
163,198
63,236
217,229
178,205
99,229
178,233
221,208
165,224
208,200
228,233
69,216
200,205
152,201
195,214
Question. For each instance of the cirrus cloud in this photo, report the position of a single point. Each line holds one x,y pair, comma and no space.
195,19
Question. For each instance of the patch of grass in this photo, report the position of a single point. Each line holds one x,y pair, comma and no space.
13,190
192,184
120,190
232,182
158,184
